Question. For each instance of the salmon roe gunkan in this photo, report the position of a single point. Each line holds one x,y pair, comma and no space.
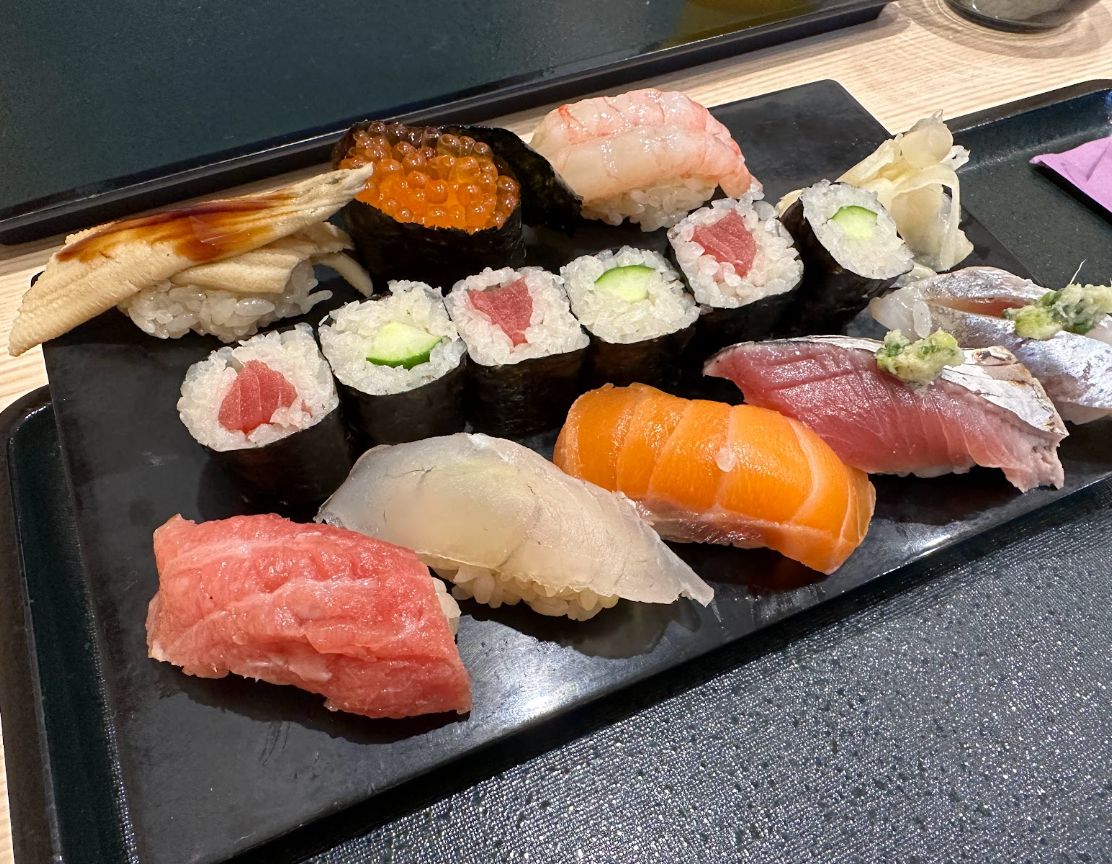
436,180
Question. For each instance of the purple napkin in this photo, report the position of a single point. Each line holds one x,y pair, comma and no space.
1087,168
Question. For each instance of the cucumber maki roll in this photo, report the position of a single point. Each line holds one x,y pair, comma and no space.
399,361
268,411
640,318
742,266
851,253
526,350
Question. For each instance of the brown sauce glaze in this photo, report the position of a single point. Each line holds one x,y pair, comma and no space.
201,232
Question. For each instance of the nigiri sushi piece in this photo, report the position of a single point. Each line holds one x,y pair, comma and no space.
357,620
708,472
108,265
506,525
986,411
647,156
1075,369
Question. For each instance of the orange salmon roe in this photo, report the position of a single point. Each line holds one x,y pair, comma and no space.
439,181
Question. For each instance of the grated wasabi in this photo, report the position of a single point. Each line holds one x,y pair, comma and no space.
1076,309
918,362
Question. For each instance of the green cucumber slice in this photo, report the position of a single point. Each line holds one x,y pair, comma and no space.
400,344
857,223
629,283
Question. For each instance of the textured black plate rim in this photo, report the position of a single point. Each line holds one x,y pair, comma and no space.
39,218
31,805
967,122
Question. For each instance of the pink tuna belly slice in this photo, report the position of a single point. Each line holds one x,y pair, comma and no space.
728,241
1087,168
878,424
254,396
508,307
320,608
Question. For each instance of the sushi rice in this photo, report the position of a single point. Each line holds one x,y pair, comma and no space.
169,311
668,308
294,354
552,328
885,257
776,266
347,332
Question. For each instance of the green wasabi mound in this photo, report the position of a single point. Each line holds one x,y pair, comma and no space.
1075,309
918,362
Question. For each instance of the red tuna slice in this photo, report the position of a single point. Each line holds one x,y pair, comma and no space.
877,423
728,241
328,610
254,396
508,307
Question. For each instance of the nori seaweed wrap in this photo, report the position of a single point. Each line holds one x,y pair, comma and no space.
447,202
526,350
293,475
851,253
269,413
638,314
400,365
742,266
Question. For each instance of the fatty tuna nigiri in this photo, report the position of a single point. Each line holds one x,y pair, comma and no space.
506,525
359,621
988,410
708,472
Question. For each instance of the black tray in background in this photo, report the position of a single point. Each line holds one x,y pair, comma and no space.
110,109
1051,227
84,786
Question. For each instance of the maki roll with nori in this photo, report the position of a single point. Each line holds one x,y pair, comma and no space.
526,350
640,318
400,362
851,253
438,206
269,412
742,266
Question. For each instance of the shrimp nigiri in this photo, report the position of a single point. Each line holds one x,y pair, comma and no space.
710,472
649,156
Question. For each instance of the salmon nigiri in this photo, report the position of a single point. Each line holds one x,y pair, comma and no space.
710,472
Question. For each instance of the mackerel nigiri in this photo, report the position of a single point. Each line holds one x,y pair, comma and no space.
987,411
708,472
970,303
506,525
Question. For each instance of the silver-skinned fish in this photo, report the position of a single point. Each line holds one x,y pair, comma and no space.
985,410
1075,369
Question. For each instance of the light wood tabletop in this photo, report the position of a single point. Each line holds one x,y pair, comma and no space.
918,57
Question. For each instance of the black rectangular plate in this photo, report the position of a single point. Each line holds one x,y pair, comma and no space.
189,98
202,769
1056,227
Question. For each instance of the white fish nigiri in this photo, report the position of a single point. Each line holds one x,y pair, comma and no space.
647,155
506,525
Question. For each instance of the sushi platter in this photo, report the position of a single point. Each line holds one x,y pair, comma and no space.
205,768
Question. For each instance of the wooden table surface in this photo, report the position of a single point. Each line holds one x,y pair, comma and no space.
918,57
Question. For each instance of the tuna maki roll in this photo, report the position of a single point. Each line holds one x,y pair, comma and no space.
851,253
268,411
742,266
438,207
399,361
640,318
526,350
